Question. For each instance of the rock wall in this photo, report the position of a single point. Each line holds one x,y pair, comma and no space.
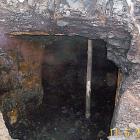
20,86
115,21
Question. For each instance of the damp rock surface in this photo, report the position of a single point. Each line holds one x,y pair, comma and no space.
20,87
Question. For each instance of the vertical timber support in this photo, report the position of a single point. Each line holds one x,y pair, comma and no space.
119,81
117,98
88,82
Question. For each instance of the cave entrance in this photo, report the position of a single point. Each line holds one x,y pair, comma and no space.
64,70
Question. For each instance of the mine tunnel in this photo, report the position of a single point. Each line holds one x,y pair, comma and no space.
61,116
64,70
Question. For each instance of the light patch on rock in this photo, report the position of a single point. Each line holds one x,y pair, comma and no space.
30,2
132,125
118,7
4,134
21,0
137,109
76,5
62,23
67,13
12,2
2,20
131,7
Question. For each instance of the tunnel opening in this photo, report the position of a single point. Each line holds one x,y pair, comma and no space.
61,116
64,70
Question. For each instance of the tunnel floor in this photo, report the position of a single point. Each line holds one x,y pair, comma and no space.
63,118
62,113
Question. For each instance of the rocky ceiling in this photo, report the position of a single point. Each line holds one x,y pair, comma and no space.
105,19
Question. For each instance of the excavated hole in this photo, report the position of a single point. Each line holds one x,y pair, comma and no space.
62,113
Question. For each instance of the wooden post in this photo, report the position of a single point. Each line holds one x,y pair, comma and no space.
119,80
117,98
88,82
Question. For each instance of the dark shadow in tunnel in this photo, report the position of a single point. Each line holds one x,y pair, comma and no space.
61,69
62,113
104,85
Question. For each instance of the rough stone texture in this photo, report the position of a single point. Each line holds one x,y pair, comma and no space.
129,105
20,86
115,21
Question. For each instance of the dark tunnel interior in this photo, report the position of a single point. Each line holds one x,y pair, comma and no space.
64,81
62,113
